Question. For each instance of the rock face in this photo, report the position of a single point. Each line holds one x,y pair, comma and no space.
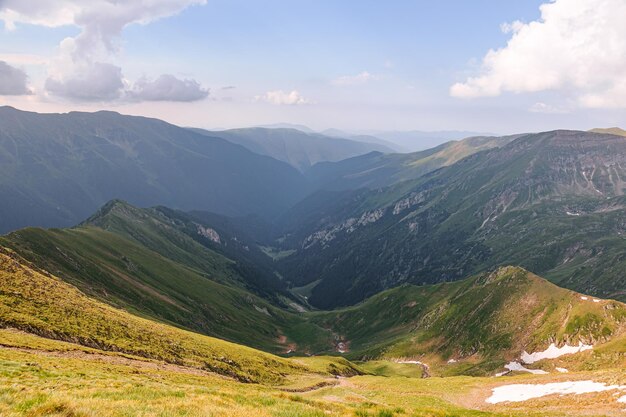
552,202
209,233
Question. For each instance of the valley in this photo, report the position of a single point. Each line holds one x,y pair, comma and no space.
433,283
296,209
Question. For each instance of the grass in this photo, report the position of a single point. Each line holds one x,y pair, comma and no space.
57,382
479,323
126,274
76,356
47,306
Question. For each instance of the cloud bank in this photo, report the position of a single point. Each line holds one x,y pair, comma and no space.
578,46
168,88
84,69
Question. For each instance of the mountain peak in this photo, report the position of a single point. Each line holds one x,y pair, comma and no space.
113,206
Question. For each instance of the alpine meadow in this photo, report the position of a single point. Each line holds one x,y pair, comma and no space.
305,209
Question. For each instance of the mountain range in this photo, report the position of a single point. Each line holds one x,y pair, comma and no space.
290,273
551,202
57,169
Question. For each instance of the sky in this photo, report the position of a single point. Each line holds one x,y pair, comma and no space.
499,66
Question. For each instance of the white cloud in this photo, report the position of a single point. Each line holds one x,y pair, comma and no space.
578,46
280,97
168,88
541,107
13,81
95,82
360,78
83,58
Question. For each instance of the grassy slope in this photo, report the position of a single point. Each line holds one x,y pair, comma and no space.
380,170
507,206
481,322
51,378
47,306
128,275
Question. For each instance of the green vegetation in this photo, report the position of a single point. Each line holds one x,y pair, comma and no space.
552,203
180,282
379,170
477,324
50,378
44,305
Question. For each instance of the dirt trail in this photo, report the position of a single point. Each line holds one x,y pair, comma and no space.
319,385
114,359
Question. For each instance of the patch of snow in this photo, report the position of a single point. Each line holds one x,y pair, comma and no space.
582,297
622,399
595,300
516,366
553,352
452,361
342,347
572,214
412,362
562,370
524,392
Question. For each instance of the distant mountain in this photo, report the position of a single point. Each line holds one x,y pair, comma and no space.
299,149
553,203
610,131
57,169
416,140
336,133
378,170
301,128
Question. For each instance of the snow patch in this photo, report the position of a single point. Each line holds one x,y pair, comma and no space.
562,370
524,392
516,366
412,362
595,300
622,399
553,352
569,213
452,361
582,297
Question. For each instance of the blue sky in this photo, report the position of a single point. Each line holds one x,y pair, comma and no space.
355,65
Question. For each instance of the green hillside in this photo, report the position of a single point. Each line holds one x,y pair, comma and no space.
376,170
552,203
479,323
42,304
208,295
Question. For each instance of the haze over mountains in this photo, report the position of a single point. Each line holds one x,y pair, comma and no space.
57,169
346,229
212,252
